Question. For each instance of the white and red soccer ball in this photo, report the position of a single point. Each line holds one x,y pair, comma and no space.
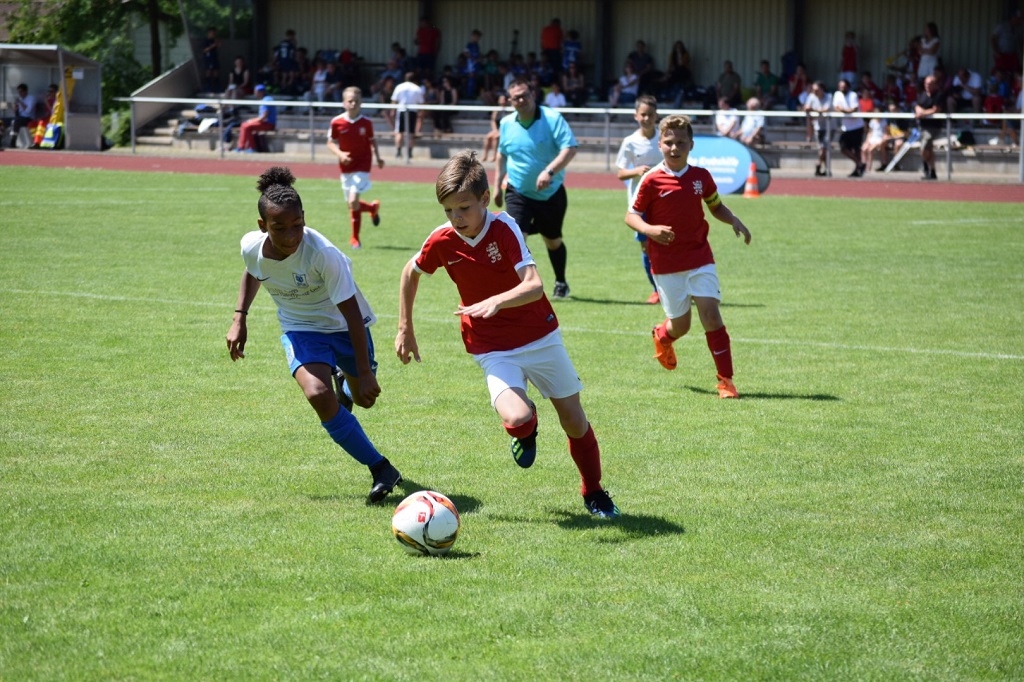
426,523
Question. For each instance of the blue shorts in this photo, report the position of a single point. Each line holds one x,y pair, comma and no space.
333,349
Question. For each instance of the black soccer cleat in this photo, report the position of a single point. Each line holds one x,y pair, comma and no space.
524,450
385,478
599,503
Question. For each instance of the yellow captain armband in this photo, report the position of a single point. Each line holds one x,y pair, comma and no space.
713,201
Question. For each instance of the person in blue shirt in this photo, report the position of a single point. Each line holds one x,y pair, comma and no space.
265,120
535,145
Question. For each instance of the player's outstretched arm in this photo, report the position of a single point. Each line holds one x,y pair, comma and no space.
405,340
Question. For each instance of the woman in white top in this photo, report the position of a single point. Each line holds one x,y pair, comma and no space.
930,45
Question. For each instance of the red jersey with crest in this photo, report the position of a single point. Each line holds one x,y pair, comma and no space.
354,137
481,267
665,198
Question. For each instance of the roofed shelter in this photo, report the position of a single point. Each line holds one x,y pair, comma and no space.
80,81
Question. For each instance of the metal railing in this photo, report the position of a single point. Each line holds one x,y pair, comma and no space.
603,115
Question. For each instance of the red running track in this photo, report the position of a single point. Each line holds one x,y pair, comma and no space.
860,188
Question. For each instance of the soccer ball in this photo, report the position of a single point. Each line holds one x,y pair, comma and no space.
426,523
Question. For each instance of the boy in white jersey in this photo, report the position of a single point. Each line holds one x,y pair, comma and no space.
638,153
508,324
669,209
324,319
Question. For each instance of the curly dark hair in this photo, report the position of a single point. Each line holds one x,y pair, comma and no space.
275,188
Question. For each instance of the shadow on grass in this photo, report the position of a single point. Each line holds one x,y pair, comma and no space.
624,528
464,503
605,301
770,396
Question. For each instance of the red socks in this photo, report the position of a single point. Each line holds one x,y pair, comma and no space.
662,331
356,219
587,455
721,351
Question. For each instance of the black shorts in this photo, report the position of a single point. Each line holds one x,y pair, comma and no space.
851,139
400,121
536,216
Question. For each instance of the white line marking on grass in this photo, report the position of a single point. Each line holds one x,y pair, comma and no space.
582,330
968,221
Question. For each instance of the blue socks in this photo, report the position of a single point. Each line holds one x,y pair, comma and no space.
346,431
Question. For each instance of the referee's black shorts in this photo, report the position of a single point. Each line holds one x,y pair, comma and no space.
537,216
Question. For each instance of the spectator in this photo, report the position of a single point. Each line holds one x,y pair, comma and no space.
797,88
534,161
335,83
303,73
406,95
896,134
930,104
574,85
391,71
891,91
874,142
471,68
265,121
572,50
848,59
752,127
283,65
387,89
239,80
626,88
727,122
766,86
555,99
211,61
428,45
638,153
930,47
643,65
318,91
1007,44
490,73
431,95
967,93
873,92
729,85
818,102
447,94
677,81
493,135
851,138
551,39
24,112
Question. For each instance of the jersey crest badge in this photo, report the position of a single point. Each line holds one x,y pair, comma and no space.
698,187
300,279
493,252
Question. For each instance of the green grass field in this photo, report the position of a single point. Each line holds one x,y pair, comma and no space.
167,514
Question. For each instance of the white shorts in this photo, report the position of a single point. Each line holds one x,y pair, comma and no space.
675,289
355,182
544,363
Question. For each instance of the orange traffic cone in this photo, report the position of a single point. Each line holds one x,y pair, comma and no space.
750,190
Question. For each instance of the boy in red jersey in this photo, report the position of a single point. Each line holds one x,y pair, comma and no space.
508,324
668,210
351,139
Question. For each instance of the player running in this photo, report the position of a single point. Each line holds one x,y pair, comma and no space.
351,140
